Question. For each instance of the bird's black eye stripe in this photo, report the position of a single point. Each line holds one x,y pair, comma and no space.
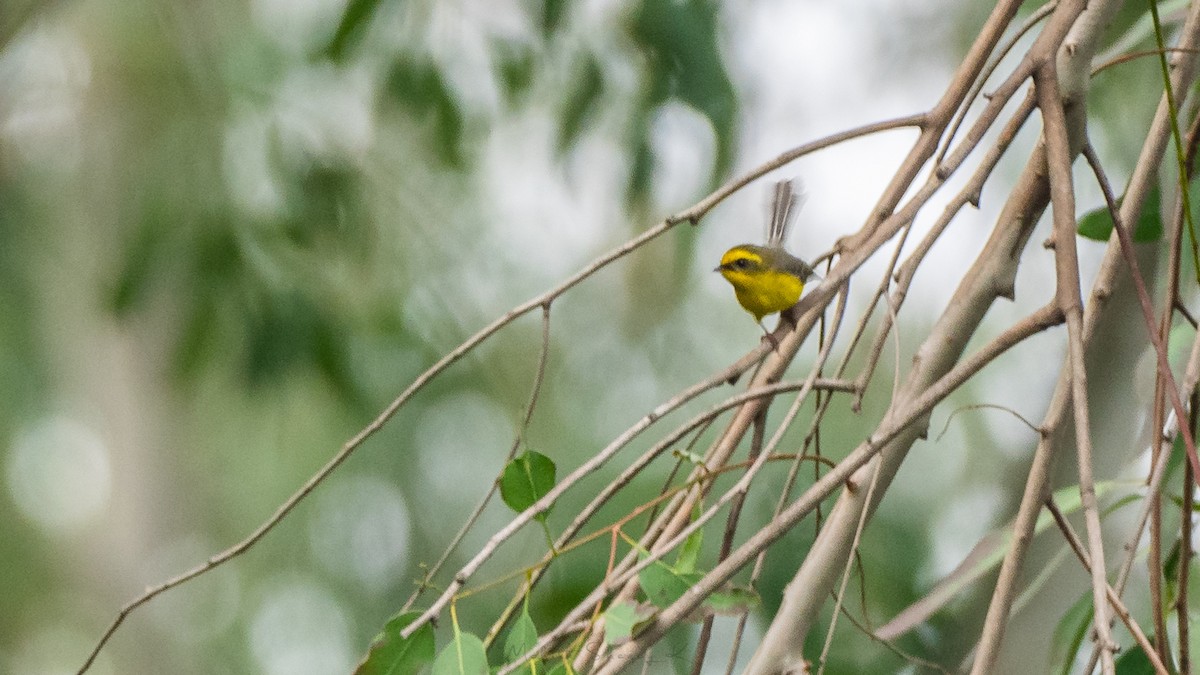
741,263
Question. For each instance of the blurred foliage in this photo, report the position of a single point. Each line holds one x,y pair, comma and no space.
21,367
231,233
355,20
420,89
262,205
679,42
1097,224
239,274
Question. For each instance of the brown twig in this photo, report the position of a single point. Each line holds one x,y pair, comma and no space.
1032,20
1036,484
1133,56
896,424
1186,525
986,406
731,523
678,515
539,377
1112,599
1070,299
1158,472
368,431
1160,348
970,194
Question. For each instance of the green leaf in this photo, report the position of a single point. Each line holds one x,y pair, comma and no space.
1134,662
1071,630
521,637
620,619
585,95
354,21
527,479
638,185
1098,223
392,655
680,41
664,584
1179,342
734,601
464,655
1150,226
1170,572
552,15
691,457
515,70
689,553
137,271
420,87
1177,459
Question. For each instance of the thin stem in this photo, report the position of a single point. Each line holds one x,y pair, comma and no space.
539,377
835,478
1160,348
1112,598
1070,299
1182,613
1180,154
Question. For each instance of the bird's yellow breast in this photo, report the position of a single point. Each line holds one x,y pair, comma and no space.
766,280
765,291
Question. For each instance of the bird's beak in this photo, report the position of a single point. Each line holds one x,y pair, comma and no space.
718,268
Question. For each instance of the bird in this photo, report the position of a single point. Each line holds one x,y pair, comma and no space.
767,279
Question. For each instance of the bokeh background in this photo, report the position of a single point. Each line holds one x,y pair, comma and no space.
231,232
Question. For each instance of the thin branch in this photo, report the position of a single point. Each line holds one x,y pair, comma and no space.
1160,349
841,591
637,466
1158,336
539,377
1113,599
361,437
1182,611
1133,56
970,194
1180,153
891,646
992,273
984,406
993,63
691,215
1036,486
881,291
1037,322
678,515
1158,471
731,523
1070,299
622,577
585,469
705,205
